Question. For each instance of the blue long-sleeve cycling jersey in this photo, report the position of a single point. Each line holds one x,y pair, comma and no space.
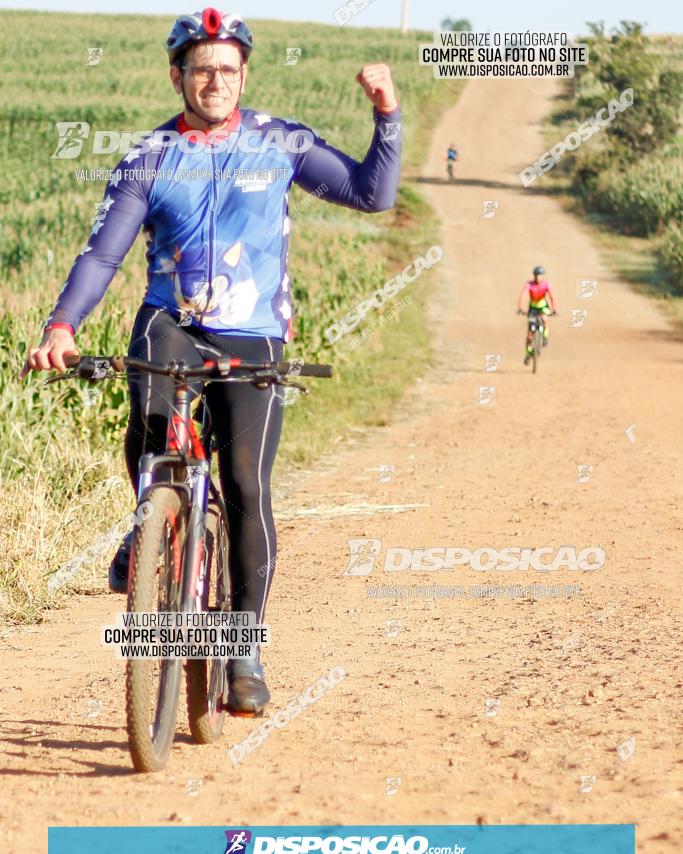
216,218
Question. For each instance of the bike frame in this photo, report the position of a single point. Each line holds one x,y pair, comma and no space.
185,450
536,322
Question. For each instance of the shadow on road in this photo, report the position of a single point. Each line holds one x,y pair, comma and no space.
481,182
26,741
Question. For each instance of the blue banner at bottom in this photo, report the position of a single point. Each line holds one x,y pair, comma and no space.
350,839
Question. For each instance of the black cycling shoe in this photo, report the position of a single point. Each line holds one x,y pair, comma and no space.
118,569
248,694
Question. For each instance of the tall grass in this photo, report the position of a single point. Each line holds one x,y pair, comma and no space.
645,197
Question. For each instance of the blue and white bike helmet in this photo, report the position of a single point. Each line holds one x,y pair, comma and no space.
207,25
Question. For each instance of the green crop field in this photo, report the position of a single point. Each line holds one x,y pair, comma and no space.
61,456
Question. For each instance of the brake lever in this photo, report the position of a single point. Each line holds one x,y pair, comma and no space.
295,385
66,376
89,370
279,380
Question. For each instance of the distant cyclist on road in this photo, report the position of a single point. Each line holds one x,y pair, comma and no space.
451,157
539,292
217,280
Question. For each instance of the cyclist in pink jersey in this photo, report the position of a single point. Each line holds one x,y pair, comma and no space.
539,293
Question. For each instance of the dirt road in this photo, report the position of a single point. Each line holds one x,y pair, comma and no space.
565,679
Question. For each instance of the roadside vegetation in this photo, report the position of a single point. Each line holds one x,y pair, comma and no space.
628,180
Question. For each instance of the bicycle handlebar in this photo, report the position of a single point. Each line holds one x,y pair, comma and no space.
96,367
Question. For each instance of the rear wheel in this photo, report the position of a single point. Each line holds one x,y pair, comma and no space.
153,685
205,678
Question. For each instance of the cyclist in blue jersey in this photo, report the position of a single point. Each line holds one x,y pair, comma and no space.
210,189
451,157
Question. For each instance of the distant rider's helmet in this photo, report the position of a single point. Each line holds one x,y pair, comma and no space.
539,271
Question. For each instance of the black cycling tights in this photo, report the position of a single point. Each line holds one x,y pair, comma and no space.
247,423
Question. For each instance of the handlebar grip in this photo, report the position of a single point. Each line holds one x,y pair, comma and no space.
72,361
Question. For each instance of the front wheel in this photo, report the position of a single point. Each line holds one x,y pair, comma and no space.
205,679
153,685
536,344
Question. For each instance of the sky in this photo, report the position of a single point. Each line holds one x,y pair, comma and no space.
661,16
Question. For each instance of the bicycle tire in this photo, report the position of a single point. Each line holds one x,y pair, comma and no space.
150,738
205,678
535,352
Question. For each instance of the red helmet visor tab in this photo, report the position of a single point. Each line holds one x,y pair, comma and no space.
211,19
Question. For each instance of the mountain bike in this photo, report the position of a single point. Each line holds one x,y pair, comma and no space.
179,554
449,169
